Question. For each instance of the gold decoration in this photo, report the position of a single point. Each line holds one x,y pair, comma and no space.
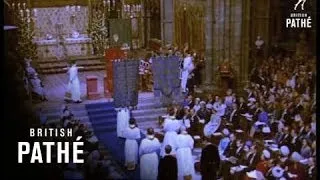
189,24
26,47
97,29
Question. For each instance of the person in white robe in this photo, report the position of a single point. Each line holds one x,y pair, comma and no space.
212,126
149,159
171,128
132,134
74,83
188,67
184,154
123,116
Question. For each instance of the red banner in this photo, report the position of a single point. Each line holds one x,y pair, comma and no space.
110,55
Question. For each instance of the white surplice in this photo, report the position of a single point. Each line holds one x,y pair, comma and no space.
149,159
123,117
187,68
184,155
74,83
171,126
131,147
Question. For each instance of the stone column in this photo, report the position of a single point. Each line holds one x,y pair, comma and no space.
167,21
208,76
245,42
260,21
236,23
227,40
218,39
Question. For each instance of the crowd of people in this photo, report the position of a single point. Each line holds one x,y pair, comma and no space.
95,164
266,132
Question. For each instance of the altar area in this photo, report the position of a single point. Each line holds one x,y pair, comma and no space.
61,32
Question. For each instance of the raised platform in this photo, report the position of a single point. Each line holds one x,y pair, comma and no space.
55,66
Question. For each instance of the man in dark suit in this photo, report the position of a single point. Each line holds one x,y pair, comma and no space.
234,117
286,138
234,156
253,158
168,168
242,106
210,162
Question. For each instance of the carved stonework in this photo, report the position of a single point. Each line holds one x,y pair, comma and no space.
56,3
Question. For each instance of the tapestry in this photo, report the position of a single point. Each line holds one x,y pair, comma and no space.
121,27
126,81
166,78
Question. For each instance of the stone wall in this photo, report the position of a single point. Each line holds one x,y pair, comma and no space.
227,34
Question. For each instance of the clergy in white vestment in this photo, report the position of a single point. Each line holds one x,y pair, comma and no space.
212,126
188,66
131,148
74,83
149,159
171,128
184,154
123,116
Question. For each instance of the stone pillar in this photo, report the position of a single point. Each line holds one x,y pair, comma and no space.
167,21
236,23
227,40
208,76
245,41
141,32
260,21
146,22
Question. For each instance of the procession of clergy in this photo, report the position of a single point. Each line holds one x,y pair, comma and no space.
269,133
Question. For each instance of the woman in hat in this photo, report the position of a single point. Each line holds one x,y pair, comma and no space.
305,149
149,160
224,142
74,83
132,134
212,126
264,164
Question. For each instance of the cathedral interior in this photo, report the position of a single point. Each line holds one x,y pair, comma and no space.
239,48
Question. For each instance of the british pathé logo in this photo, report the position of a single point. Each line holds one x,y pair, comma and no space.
300,2
299,19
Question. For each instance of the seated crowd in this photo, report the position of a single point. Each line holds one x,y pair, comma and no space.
269,131
95,167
